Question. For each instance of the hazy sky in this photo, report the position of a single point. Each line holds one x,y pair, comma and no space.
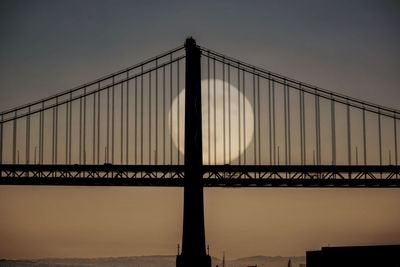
350,47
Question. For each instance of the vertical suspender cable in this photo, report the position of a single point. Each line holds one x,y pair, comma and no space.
1,139
122,123
364,136
141,117
239,116
70,129
14,155
56,135
215,113
136,116
223,109
164,116
255,117
259,119
28,135
171,111
127,119
301,124
333,129
52,136
40,134
156,112
84,126
66,133
285,118
42,150
317,129
209,110
229,114
273,122
380,136
150,137
94,130
304,129
348,133
288,121
395,139
98,125
112,118
244,118
270,120
80,130
108,126
178,112
319,132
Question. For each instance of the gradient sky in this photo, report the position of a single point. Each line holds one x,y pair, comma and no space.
50,46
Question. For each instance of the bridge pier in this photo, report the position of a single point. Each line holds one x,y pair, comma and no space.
193,239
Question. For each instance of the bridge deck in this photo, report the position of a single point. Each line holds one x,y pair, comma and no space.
213,175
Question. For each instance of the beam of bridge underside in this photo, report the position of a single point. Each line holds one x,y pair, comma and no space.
213,176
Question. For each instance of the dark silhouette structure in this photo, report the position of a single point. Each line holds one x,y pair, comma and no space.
357,256
126,115
193,240
113,131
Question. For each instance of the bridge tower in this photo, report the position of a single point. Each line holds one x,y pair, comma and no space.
193,239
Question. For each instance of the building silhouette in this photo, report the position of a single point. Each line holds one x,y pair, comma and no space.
355,256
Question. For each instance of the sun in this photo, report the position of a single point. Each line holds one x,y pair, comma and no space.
221,145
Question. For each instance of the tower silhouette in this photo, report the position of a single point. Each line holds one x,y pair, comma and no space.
193,239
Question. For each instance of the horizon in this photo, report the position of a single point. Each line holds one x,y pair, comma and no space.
138,256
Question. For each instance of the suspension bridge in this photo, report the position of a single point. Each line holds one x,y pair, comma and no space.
193,117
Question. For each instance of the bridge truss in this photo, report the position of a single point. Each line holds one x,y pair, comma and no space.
213,175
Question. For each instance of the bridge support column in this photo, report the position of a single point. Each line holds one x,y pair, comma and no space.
193,239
